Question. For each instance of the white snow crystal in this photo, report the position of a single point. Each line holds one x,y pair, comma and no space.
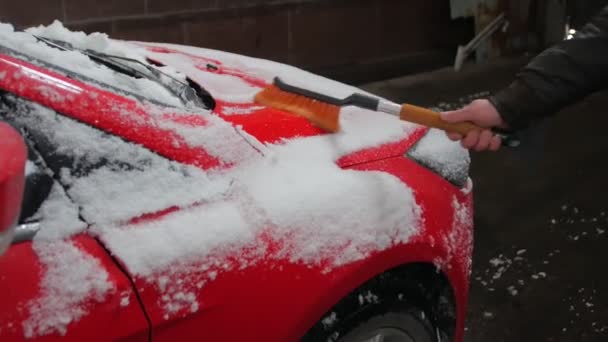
496,262
74,61
329,321
442,154
71,277
236,110
30,168
58,216
218,137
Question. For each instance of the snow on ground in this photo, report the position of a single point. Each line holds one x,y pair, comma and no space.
295,192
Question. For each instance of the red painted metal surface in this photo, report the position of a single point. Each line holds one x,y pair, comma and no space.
13,155
20,277
270,301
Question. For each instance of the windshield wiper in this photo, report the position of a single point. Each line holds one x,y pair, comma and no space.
187,93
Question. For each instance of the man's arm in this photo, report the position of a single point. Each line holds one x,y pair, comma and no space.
558,77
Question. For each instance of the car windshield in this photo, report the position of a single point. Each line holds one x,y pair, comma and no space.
187,92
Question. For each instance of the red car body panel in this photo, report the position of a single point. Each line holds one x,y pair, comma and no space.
269,301
20,283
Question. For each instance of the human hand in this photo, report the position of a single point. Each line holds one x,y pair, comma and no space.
483,114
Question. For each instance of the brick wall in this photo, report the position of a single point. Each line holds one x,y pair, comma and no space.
314,34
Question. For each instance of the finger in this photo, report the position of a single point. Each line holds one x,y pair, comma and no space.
484,140
455,136
471,139
457,115
495,143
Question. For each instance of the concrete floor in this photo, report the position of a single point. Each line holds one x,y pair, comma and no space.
541,215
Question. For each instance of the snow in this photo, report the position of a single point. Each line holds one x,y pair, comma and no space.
236,110
226,87
184,236
124,301
26,43
71,278
329,321
439,153
58,216
121,190
30,168
218,137
222,87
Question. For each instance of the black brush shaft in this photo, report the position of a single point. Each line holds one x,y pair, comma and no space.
358,100
362,101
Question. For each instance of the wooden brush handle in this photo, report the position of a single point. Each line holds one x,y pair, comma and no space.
429,118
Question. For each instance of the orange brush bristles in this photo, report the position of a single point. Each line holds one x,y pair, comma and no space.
321,114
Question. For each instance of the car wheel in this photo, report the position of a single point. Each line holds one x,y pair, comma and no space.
392,327
403,305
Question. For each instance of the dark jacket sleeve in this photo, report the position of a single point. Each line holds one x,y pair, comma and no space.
559,76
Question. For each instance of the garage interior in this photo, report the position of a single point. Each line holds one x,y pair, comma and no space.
540,215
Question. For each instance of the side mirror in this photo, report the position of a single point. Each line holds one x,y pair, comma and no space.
13,156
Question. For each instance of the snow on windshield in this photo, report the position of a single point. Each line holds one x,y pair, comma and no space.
128,181
294,193
77,62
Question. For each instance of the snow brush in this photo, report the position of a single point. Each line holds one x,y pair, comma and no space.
324,111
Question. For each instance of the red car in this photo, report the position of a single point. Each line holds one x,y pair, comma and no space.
161,203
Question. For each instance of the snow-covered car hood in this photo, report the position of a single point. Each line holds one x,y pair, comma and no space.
276,192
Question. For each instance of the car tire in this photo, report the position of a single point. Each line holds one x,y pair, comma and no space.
368,317
392,327
390,304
